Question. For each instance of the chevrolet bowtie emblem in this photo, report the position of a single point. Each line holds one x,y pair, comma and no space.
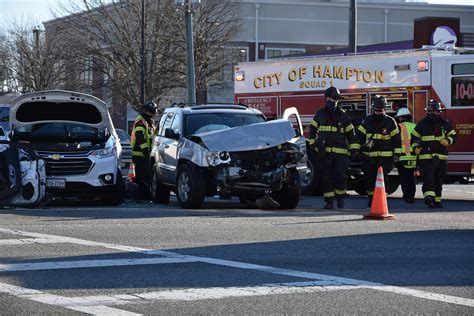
55,157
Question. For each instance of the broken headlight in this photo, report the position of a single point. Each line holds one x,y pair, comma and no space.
215,158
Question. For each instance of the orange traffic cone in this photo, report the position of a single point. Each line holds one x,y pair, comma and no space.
379,207
131,171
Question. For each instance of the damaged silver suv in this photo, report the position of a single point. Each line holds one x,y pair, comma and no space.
227,150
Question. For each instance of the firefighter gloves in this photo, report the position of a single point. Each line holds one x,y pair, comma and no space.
444,142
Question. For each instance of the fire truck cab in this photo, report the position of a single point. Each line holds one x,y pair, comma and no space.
405,78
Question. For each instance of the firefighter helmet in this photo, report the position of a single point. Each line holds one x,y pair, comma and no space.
403,112
379,102
332,92
150,107
433,106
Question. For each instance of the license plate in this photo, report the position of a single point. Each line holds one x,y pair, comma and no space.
56,183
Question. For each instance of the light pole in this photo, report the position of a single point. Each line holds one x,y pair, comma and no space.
353,26
190,49
142,57
36,34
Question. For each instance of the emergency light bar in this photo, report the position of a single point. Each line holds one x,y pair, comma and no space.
423,65
240,75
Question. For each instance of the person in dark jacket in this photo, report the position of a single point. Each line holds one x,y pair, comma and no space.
333,137
380,144
141,141
430,140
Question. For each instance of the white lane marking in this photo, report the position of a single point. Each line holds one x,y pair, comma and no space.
423,294
26,241
60,301
286,272
53,265
83,242
249,266
197,294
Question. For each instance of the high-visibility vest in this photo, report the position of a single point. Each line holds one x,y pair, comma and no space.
406,129
140,125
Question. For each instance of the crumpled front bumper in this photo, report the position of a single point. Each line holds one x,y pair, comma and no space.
232,178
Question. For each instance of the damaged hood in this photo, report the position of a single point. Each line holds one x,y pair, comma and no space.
249,137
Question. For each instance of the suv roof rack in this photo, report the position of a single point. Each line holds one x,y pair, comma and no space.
183,105
220,106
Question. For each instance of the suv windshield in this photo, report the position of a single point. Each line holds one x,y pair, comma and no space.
58,130
206,122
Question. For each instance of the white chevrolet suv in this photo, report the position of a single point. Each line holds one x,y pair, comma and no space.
73,133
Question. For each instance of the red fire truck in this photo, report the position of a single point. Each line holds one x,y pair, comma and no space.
404,78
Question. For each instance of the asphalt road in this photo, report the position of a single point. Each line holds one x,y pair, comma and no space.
140,258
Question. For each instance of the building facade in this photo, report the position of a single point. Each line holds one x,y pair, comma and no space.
279,28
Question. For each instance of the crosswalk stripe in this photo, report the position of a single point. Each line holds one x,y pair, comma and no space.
56,265
26,241
61,301
255,267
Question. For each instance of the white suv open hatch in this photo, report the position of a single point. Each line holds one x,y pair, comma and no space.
73,133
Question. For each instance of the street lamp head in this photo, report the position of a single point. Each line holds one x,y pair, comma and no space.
186,2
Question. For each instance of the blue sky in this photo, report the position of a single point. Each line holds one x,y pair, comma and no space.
26,10
39,10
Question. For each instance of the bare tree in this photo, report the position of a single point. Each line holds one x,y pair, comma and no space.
31,60
109,32
5,71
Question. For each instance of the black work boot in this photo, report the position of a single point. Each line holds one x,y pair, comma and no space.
429,201
329,205
369,202
340,202
409,200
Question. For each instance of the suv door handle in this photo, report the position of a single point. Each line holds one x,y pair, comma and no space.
167,146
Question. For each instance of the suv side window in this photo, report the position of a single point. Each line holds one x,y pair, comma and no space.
167,119
176,125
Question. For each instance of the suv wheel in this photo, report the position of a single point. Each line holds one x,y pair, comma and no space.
117,195
190,186
160,193
311,184
289,196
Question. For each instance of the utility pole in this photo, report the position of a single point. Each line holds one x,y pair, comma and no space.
189,35
353,27
36,32
190,47
142,57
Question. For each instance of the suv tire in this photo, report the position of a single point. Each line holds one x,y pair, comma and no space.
160,193
118,192
190,186
289,196
312,184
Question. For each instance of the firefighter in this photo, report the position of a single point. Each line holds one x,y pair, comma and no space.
407,163
141,141
332,136
430,140
380,144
